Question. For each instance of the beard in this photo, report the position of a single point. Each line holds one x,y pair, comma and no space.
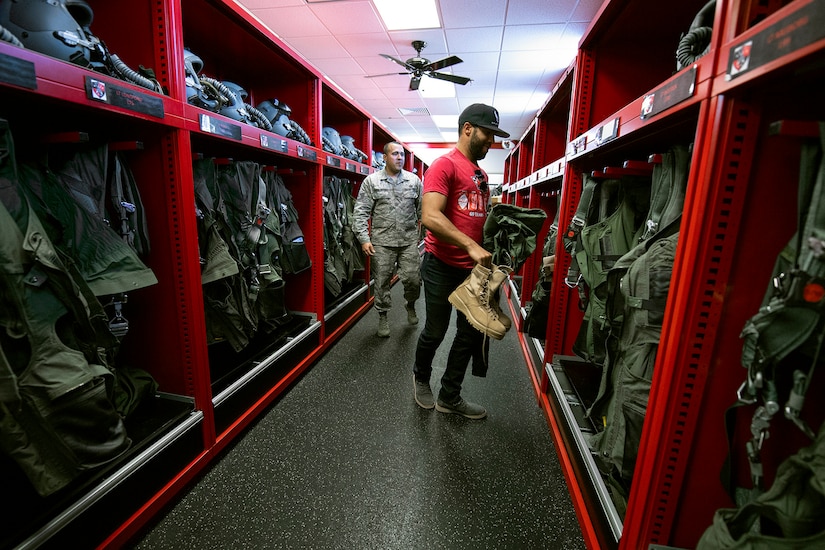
478,146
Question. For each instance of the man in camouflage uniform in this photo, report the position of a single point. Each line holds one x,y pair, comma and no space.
391,198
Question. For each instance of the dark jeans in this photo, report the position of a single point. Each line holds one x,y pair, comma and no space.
440,280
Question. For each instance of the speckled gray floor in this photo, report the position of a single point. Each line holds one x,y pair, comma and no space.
347,460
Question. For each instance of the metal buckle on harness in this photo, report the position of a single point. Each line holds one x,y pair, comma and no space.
573,230
573,285
796,400
119,325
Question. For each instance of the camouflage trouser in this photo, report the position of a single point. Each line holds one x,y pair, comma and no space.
389,260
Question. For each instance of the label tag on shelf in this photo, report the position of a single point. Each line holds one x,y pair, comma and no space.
800,28
608,131
219,127
364,170
675,91
333,161
351,167
579,144
268,142
308,154
17,72
120,96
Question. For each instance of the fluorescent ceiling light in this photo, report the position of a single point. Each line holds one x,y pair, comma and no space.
401,15
431,87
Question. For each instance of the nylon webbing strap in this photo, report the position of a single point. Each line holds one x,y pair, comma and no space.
679,158
661,183
572,239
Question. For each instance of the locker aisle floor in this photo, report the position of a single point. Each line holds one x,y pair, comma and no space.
345,459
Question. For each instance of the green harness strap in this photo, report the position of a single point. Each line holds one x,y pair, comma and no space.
790,321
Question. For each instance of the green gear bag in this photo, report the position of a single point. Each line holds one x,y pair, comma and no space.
510,233
788,516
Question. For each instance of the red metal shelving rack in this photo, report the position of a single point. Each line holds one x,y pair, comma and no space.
725,253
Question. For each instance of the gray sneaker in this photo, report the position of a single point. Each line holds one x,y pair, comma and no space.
423,394
383,326
464,408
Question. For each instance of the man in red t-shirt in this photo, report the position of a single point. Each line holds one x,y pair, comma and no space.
454,207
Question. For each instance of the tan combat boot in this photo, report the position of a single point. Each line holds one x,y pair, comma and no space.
472,298
500,274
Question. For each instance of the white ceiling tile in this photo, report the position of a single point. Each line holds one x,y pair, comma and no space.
520,80
475,39
531,12
367,44
481,80
532,37
255,4
457,14
314,47
356,82
550,78
474,63
291,21
369,91
436,43
334,67
338,17
572,35
585,10
442,105
536,61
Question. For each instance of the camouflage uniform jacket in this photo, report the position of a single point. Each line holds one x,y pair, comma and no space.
393,204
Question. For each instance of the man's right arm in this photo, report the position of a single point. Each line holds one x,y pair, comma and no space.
362,211
433,205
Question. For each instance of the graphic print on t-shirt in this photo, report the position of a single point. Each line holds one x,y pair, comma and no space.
473,202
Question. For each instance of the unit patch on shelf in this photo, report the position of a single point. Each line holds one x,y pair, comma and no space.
675,91
219,127
801,28
267,142
120,96
17,72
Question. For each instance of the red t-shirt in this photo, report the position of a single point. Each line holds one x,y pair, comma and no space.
454,176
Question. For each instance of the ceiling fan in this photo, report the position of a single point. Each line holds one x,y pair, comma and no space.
418,66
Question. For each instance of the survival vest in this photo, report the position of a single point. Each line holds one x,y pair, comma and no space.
606,225
636,289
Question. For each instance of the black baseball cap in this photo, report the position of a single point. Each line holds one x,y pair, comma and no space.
479,114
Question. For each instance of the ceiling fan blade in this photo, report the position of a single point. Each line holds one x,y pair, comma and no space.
450,78
415,81
402,63
442,63
385,74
